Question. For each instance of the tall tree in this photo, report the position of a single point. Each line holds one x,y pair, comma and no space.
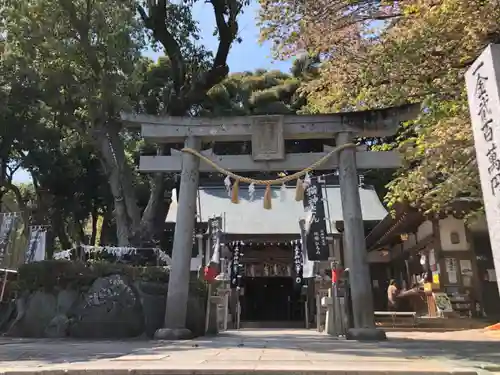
21,110
87,55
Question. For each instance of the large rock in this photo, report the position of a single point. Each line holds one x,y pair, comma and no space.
40,309
7,314
110,309
42,314
66,300
58,327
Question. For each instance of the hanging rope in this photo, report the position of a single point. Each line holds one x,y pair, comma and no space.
277,181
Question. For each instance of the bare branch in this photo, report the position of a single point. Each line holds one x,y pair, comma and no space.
12,170
155,22
227,30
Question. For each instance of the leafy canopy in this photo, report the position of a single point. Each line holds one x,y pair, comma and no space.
420,54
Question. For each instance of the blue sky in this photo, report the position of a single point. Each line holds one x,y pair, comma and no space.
248,55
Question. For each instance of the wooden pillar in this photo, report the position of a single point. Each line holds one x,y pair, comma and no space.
354,239
178,290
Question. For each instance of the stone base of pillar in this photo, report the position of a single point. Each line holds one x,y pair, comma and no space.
173,334
366,334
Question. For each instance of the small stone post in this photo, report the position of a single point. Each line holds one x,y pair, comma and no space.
355,247
178,289
330,314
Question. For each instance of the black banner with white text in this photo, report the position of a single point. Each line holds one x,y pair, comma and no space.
316,242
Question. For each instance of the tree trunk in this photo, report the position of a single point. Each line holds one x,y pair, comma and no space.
154,209
126,211
126,179
153,217
59,230
64,240
49,243
3,179
81,233
107,236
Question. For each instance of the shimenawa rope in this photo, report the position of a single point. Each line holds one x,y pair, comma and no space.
299,193
277,181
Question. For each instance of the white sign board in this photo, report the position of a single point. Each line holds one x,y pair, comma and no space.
483,84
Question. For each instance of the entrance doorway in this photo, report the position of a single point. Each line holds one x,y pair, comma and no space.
272,299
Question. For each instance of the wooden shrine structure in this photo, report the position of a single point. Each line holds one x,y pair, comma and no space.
267,135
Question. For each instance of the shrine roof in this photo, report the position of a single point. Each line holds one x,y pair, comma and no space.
250,217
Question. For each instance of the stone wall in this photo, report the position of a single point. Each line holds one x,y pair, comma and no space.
96,301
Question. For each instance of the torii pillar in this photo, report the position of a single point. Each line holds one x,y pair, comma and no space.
355,247
178,286
267,134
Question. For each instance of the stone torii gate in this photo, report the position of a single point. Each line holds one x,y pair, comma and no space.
267,134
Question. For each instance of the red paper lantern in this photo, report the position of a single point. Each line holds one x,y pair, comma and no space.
334,276
209,273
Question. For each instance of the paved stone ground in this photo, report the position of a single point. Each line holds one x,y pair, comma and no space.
264,351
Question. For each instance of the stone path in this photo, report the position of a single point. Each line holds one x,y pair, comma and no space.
251,351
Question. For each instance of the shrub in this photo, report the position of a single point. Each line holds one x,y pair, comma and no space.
52,274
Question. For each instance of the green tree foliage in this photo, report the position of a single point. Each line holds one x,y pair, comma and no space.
419,55
70,67
254,93
86,57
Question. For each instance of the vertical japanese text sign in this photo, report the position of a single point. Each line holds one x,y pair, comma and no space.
483,84
317,245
